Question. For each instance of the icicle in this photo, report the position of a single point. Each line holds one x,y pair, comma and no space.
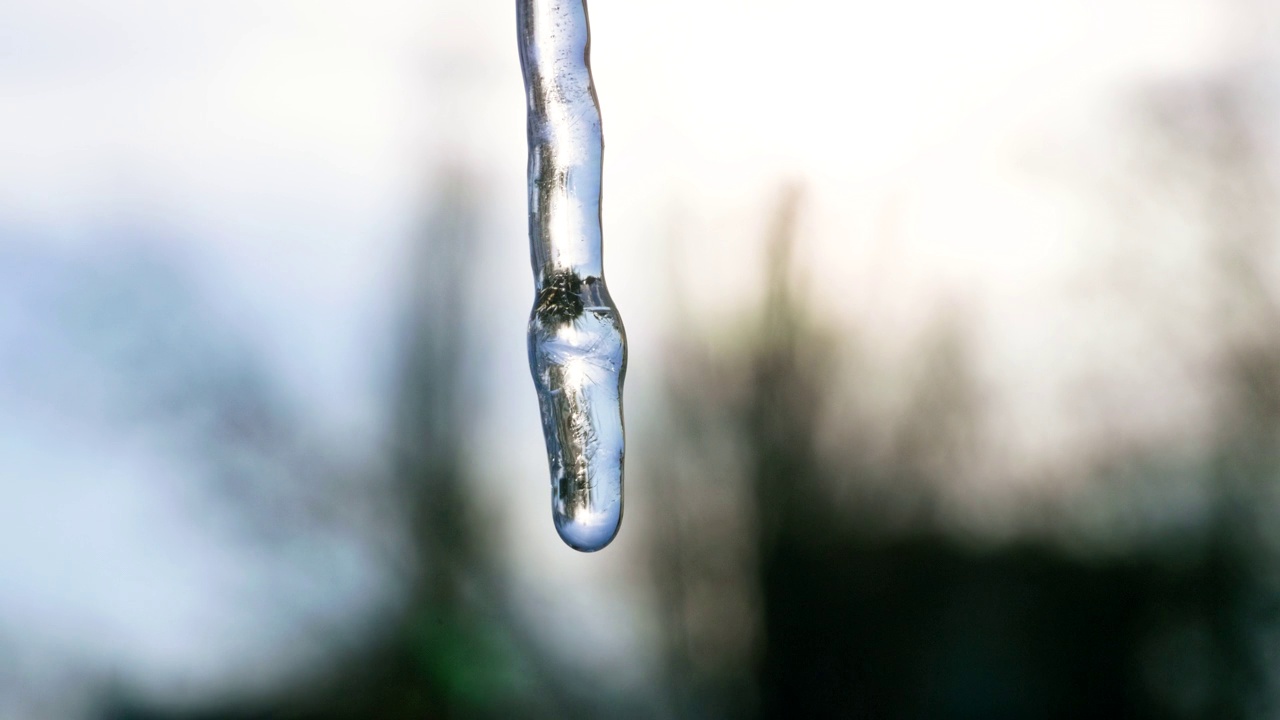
577,346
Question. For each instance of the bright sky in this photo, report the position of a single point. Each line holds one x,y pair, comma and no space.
282,147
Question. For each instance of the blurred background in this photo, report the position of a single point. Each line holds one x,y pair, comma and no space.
954,387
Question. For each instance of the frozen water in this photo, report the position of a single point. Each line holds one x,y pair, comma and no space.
577,346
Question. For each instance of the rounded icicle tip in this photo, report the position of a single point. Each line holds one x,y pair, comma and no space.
589,532
579,366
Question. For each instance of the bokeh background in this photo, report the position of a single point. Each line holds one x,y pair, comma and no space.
954,387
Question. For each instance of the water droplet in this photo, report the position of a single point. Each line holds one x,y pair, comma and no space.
577,346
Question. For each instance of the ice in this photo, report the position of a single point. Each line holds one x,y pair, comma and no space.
577,345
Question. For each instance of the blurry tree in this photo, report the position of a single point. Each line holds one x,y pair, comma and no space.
451,647
454,649
785,599
1208,160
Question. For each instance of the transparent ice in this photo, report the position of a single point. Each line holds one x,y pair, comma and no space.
577,346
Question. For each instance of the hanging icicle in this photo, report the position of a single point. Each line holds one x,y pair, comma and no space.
577,346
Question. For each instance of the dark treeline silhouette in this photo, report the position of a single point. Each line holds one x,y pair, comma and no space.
795,580
861,614
861,618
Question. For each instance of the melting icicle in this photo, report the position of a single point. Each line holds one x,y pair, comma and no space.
577,347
